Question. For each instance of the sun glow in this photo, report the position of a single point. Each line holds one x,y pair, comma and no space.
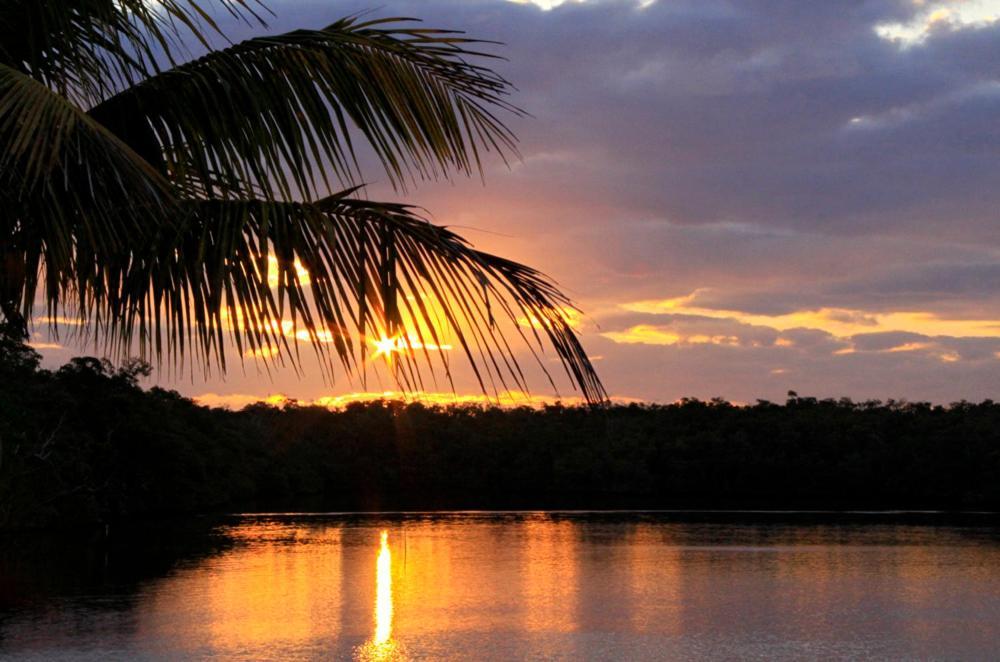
274,272
388,346
507,398
570,316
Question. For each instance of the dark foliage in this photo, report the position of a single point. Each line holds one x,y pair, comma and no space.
86,444
145,194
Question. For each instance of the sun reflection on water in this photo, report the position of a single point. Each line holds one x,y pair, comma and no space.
382,647
383,593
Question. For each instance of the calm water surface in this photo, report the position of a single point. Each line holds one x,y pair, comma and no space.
484,586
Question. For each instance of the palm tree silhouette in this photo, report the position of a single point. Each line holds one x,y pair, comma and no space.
146,193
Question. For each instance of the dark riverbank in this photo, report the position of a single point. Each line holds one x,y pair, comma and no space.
85,444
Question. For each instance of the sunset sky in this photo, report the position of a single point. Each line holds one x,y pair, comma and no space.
744,197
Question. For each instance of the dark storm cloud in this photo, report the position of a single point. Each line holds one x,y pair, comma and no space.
741,111
952,289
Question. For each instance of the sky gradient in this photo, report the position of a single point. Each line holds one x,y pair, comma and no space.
745,198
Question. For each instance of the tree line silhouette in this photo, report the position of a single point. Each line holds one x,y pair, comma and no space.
86,444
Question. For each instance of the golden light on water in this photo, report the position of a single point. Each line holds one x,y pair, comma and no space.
383,593
381,647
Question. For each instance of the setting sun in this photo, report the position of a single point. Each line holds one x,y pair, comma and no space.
387,346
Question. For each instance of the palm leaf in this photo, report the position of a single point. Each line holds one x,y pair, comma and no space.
153,217
374,270
271,115
66,180
88,49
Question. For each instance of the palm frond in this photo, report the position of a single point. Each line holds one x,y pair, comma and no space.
67,180
153,218
348,271
88,49
273,114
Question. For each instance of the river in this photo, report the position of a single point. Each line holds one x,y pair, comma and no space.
509,586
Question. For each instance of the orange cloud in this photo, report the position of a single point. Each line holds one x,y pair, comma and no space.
45,345
933,349
839,322
261,353
911,347
569,315
648,334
